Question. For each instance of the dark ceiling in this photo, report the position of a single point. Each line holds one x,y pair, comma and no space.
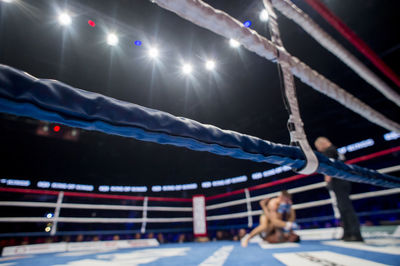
243,95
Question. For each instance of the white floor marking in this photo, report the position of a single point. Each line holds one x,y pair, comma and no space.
318,258
362,246
383,241
80,253
266,245
131,258
219,257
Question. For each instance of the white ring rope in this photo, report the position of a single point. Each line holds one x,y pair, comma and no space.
384,192
190,219
308,204
389,169
291,11
95,220
92,206
260,197
221,23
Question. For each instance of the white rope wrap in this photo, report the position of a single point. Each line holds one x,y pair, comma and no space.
248,205
57,213
291,11
144,215
221,23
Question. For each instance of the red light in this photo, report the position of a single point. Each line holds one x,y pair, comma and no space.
91,23
56,128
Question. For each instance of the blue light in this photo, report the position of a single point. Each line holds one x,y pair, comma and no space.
138,43
247,23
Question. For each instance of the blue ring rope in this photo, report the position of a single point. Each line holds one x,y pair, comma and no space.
24,95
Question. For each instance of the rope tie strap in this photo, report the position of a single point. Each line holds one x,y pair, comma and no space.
144,217
249,210
295,124
57,213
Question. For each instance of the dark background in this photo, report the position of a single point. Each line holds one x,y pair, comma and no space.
243,95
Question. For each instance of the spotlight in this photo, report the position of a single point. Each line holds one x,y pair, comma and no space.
153,52
91,23
210,65
7,1
233,43
49,215
138,43
112,39
187,69
47,229
264,15
64,19
56,128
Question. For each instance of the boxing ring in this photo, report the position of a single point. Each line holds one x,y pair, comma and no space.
318,245
24,95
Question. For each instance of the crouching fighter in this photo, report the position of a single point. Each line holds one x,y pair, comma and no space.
277,221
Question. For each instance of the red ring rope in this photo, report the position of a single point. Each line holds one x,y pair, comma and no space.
356,41
122,197
296,177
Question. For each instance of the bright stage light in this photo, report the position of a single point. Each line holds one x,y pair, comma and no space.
187,69
233,43
247,23
7,1
47,229
153,52
210,65
264,15
64,19
49,215
112,39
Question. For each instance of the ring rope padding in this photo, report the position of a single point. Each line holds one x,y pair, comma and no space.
49,100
